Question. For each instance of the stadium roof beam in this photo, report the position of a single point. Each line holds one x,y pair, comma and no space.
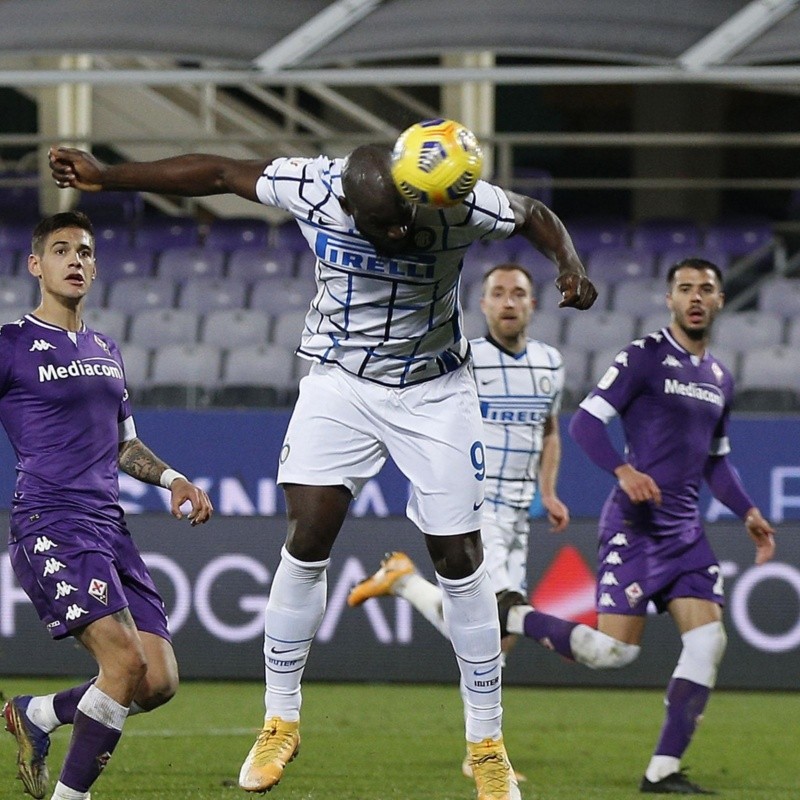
745,26
315,33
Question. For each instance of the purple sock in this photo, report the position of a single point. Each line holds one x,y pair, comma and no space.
65,703
90,749
551,632
685,704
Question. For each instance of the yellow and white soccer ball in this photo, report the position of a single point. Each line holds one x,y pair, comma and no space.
436,162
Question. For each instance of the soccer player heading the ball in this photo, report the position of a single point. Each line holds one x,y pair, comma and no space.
390,378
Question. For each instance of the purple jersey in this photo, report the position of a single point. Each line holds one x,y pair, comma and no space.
674,409
62,402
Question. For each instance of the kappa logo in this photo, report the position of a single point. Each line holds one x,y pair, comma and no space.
63,589
43,544
40,345
606,600
671,361
51,566
621,358
620,539
613,558
609,579
99,590
75,612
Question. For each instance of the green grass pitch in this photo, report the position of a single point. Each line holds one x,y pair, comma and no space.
398,742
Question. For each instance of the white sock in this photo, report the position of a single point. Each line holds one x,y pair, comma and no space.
61,792
470,613
661,766
294,612
425,597
42,713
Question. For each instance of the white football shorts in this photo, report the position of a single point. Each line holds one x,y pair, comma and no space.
504,531
343,428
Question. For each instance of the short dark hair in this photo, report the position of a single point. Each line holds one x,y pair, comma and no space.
693,263
57,222
508,267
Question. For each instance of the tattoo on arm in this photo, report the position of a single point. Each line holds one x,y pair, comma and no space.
138,461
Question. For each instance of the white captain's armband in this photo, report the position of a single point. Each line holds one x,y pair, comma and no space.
127,430
599,407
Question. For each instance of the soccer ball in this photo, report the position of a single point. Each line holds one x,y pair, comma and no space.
436,162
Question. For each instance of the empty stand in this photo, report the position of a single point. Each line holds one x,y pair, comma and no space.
231,233
153,327
211,294
235,327
251,264
184,374
134,294
256,375
109,321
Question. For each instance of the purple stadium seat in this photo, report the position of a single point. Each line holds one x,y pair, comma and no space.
591,233
119,207
250,264
153,327
640,297
780,296
235,327
675,254
233,232
614,264
134,294
19,198
8,262
276,295
179,263
592,331
159,233
18,291
210,294
15,234
111,236
736,237
130,262
657,235
289,237
745,330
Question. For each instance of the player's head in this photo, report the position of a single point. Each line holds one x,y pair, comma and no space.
62,255
379,211
507,302
694,296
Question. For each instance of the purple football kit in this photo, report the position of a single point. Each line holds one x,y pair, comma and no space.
674,410
65,409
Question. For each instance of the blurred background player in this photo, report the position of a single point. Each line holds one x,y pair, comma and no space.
385,332
674,399
64,406
519,382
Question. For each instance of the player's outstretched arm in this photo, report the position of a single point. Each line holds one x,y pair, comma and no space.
540,226
762,533
194,175
140,462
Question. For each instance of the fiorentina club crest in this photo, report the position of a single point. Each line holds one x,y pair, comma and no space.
99,590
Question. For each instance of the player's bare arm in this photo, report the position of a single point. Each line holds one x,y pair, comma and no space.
140,462
557,512
762,533
540,226
639,486
193,175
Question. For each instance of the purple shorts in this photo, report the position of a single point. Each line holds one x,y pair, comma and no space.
634,567
77,570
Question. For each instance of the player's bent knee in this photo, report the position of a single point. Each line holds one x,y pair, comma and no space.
703,649
599,650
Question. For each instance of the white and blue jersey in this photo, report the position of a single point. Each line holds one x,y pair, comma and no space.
393,320
517,393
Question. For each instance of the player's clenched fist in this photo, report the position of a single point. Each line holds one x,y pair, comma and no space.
76,169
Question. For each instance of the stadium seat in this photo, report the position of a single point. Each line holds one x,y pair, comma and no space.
227,328
15,235
134,294
793,332
181,263
736,237
231,233
660,234
250,264
256,375
675,254
780,296
776,367
160,233
111,236
8,262
287,328
640,297
614,264
548,325
592,331
654,321
288,236
136,361
576,380
184,375
275,295
210,294
153,327
112,207
19,200
129,262
109,321
98,295
18,291
591,233
746,330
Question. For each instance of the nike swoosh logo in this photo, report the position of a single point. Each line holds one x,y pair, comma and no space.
479,674
280,652
491,380
476,506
